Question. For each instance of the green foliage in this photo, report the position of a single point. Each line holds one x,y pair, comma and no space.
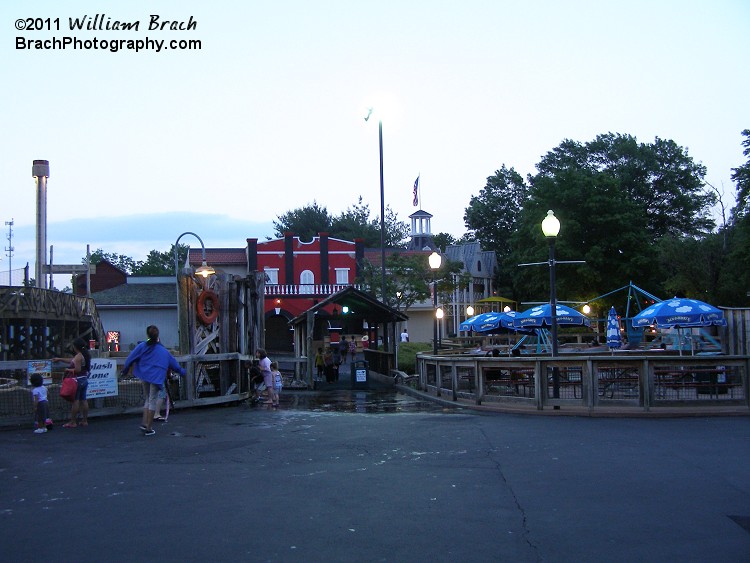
407,355
162,263
408,279
616,199
492,215
156,264
124,263
306,222
741,177
443,240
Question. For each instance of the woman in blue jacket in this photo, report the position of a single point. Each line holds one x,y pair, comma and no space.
150,361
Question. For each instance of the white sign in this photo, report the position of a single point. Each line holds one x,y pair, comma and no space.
43,367
361,376
102,379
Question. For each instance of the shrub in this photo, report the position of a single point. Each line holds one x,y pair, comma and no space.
407,355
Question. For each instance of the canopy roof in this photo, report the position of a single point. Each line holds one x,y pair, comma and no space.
360,304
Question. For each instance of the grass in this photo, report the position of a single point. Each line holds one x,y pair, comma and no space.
407,355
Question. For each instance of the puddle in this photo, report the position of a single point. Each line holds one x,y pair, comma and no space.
362,401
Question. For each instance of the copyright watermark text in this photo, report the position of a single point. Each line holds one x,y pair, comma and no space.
36,32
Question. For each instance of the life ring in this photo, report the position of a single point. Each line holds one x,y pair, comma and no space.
207,315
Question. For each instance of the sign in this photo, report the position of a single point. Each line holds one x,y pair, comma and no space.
361,376
102,379
43,367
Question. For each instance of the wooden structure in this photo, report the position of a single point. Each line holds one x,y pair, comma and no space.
362,308
40,323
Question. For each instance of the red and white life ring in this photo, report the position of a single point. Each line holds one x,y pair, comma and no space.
207,312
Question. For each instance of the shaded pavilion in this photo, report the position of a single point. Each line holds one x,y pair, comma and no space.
362,309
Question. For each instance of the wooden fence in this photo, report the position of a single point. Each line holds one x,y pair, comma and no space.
640,382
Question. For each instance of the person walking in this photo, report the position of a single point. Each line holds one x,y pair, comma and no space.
78,367
150,361
343,349
265,368
320,364
405,336
353,349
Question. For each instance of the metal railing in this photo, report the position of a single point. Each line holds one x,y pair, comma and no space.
640,382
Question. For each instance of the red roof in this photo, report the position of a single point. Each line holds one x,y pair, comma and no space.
219,256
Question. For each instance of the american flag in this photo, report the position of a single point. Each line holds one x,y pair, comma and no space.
416,188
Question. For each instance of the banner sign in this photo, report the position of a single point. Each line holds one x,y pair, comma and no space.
43,367
102,379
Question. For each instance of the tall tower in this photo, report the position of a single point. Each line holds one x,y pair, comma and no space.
40,172
421,233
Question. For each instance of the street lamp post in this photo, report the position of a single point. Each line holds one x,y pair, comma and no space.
435,259
551,228
204,270
439,314
382,208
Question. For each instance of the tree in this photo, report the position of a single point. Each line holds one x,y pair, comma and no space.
741,176
305,222
616,198
442,240
408,279
355,223
162,263
396,232
124,263
492,215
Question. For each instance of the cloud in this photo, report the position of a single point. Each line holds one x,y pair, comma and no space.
134,235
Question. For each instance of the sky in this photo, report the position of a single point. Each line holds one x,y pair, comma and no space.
267,115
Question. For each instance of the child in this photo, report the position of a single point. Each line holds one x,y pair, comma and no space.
320,364
276,383
41,406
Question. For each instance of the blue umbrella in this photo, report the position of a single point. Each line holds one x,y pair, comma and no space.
614,337
487,322
541,315
678,313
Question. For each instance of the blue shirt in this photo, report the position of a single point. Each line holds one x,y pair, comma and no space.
150,363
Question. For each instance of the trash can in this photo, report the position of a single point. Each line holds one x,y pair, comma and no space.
360,374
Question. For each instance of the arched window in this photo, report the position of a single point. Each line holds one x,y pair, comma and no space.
479,266
306,282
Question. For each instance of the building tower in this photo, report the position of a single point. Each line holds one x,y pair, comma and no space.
421,234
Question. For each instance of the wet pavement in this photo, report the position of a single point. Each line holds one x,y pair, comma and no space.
376,476
371,401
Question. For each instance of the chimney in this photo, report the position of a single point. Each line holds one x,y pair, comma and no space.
40,172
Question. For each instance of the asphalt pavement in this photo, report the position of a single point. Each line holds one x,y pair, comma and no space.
373,476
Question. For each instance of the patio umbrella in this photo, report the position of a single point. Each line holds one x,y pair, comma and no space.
680,313
487,322
541,315
614,337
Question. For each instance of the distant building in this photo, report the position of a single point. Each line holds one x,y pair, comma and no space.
298,275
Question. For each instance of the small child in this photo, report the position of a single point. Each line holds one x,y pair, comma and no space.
41,406
276,383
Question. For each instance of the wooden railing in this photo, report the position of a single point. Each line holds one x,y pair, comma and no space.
641,382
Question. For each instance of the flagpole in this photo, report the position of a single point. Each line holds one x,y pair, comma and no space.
419,189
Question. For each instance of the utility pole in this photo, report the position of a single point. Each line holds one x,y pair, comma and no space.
9,249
